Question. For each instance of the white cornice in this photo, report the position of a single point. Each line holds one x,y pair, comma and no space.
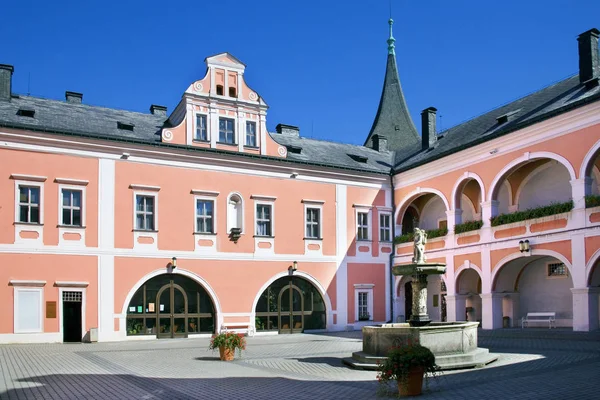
68,181
32,178
308,201
263,197
138,186
200,192
71,284
551,128
30,283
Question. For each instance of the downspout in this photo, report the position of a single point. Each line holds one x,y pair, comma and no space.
393,222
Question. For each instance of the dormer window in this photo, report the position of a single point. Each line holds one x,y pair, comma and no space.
26,112
232,92
124,126
220,90
358,158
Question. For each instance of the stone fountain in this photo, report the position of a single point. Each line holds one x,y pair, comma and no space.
454,344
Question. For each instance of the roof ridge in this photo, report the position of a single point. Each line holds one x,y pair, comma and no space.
508,102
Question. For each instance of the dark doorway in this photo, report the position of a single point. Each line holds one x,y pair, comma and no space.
71,315
408,300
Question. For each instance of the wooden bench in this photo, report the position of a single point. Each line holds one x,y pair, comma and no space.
238,327
544,317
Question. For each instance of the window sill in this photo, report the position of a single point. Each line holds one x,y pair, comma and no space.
264,237
205,233
144,230
365,240
309,238
27,223
251,147
200,141
227,144
70,226
386,241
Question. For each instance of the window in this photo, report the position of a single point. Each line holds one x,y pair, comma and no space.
144,212
385,229
313,222
363,306
204,216
251,134
29,204
226,130
201,131
232,92
28,310
557,270
220,90
263,220
71,207
363,225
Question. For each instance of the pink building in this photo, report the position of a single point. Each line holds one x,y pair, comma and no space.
118,225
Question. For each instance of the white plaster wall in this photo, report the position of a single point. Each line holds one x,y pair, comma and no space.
433,211
538,293
549,185
467,209
503,199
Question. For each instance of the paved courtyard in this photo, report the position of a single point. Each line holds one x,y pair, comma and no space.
533,364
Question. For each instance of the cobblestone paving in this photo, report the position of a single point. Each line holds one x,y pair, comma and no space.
533,364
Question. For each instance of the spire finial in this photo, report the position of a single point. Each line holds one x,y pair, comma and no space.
391,39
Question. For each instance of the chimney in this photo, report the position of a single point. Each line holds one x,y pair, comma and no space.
159,111
288,130
428,134
6,72
73,97
379,143
589,63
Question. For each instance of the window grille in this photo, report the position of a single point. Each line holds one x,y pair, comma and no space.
72,297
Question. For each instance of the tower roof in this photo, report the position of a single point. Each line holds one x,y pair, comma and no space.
393,119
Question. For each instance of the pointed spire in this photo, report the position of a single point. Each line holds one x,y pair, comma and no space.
391,41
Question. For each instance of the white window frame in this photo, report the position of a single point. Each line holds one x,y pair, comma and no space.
251,122
268,201
214,214
364,210
316,204
389,216
29,183
81,188
235,133
195,127
154,213
363,288
229,225
37,287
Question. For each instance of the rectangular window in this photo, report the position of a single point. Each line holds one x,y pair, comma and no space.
363,306
363,225
201,130
28,310
263,220
226,130
71,207
557,269
251,134
313,223
144,212
204,216
29,204
385,229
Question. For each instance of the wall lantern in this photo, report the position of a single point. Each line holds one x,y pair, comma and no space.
173,262
524,246
293,268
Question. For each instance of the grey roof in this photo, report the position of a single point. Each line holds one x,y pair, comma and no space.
543,104
393,120
54,115
335,154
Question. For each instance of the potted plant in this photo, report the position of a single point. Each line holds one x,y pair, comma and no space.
227,343
364,317
407,364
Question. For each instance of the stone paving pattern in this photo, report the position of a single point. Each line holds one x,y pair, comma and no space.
533,364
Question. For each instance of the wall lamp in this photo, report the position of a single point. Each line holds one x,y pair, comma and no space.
524,246
293,268
173,262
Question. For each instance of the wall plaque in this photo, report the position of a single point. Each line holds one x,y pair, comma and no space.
50,309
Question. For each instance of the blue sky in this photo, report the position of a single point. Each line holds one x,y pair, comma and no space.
318,64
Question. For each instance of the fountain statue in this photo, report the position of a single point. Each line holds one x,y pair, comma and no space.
453,343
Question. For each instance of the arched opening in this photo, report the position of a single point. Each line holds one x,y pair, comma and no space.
537,283
427,211
468,198
290,305
436,301
468,286
537,182
591,170
168,306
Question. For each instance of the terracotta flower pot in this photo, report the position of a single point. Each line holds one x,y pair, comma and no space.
226,354
413,385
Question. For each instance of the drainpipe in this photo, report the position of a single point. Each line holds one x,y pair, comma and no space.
393,223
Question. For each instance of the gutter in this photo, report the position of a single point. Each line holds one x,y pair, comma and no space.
392,254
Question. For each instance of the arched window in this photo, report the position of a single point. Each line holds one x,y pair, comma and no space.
235,212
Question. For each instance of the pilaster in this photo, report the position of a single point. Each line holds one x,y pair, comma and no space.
455,307
491,304
585,308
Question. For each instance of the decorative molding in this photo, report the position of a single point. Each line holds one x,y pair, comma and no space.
207,193
68,181
30,283
137,186
31,178
263,197
77,284
308,201
364,285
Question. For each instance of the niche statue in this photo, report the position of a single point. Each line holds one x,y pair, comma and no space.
419,251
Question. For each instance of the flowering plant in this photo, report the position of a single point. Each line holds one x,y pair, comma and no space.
228,340
400,359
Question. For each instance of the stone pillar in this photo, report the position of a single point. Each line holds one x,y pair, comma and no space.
419,307
489,209
579,188
453,217
585,309
455,307
491,314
